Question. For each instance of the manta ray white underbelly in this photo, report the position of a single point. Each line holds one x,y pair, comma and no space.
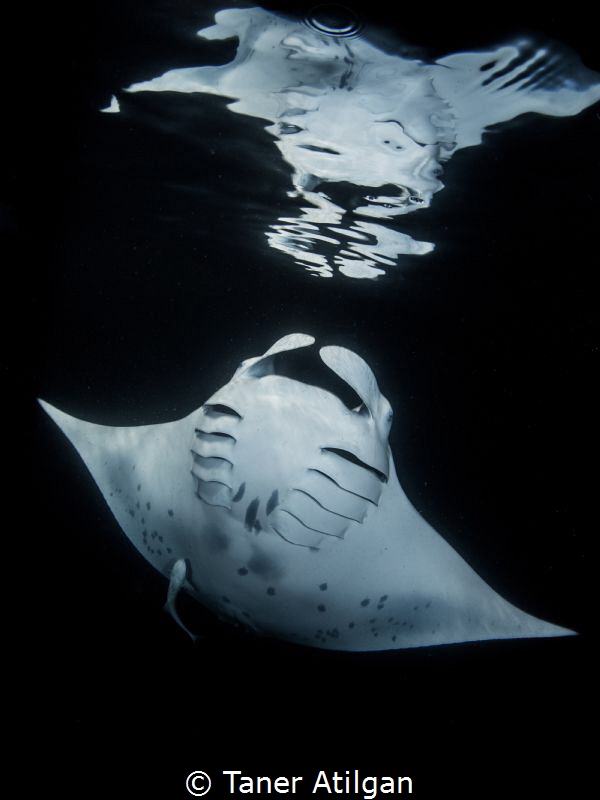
278,507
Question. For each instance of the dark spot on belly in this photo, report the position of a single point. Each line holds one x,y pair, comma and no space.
239,494
257,526
365,602
215,540
242,571
273,501
225,599
321,607
323,587
350,624
148,506
251,513
170,512
264,566
383,598
271,591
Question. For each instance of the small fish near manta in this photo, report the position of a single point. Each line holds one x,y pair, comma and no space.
279,508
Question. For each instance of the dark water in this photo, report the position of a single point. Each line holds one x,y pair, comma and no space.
146,277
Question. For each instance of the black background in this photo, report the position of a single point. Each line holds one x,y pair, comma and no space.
138,277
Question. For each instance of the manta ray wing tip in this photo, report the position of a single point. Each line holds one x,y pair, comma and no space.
55,413
541,629
559,631
79,432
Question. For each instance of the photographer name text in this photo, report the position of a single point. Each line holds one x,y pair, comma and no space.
349,782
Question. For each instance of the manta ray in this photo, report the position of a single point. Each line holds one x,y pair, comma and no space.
367,130
278,507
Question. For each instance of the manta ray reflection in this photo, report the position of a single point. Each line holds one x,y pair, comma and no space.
278,507
344,113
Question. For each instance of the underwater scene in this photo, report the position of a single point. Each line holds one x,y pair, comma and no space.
310,388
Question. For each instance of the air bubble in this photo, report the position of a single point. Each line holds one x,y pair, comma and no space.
333,19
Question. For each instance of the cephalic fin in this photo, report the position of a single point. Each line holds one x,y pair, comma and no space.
263,365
